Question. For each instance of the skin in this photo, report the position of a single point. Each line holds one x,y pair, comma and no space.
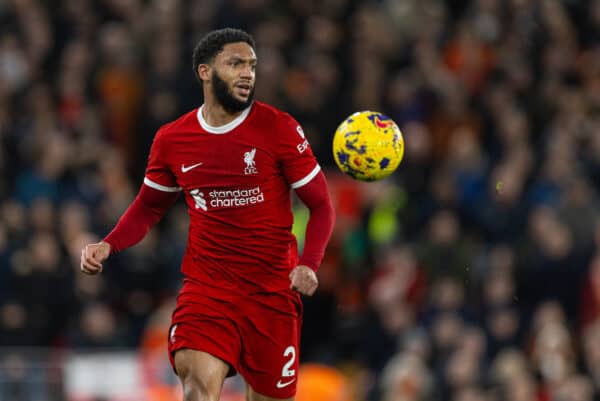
236,65
201,374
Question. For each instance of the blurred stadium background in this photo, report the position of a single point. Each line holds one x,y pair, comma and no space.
473,274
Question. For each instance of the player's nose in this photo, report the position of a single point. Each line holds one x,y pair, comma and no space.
247,73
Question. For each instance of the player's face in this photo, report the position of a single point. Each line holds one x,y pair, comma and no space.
233,76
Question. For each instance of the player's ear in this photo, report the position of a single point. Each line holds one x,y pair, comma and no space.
203,72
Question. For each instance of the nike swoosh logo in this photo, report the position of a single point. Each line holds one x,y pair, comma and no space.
282,385
185,169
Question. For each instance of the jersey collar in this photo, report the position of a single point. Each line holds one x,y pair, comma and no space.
222,129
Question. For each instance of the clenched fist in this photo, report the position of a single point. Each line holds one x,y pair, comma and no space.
92,257
304,280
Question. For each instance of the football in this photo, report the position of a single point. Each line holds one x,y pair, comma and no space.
368,146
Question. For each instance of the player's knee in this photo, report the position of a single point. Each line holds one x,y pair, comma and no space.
201,375
195,389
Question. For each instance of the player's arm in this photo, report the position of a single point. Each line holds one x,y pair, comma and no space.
315,195
144,212
304,174
158,192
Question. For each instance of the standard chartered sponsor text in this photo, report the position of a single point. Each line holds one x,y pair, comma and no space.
236,197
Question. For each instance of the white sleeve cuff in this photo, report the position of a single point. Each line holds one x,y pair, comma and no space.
163,188
307,179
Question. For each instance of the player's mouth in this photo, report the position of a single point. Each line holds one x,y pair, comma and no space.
243,89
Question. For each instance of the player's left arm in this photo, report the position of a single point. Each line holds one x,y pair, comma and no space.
303,173
315,195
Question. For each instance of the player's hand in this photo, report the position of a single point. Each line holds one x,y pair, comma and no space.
92,257
304,280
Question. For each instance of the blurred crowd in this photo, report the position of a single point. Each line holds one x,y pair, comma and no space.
472,274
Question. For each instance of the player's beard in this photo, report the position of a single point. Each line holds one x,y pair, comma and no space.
225,97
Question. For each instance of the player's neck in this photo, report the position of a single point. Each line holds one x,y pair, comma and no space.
214,114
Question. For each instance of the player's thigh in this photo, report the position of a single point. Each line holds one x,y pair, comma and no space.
252,395
270,336
200,371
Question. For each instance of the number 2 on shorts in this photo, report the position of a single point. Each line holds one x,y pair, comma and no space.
286,371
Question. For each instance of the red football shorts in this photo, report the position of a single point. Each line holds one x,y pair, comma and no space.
258,335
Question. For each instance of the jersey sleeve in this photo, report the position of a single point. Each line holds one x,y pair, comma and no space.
158,174
297,159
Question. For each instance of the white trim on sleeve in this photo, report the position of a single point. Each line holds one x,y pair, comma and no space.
306,179
163,188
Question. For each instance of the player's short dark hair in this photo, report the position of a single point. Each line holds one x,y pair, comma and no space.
213,42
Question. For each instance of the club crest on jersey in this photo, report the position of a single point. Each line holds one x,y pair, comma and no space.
250,163
172,335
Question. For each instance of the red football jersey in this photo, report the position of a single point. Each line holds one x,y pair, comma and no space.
236,179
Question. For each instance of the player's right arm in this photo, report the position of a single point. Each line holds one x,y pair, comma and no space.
156,196
143,213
